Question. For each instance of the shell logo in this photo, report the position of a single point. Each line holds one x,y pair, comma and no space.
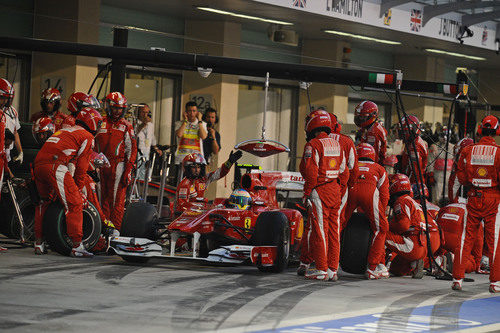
333,163
482,172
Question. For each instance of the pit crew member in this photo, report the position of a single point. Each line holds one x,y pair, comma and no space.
195,182
370,193
323,165
50,102
372,132
409,130
116,140
478,167
76,102
455,190
406,237
53,179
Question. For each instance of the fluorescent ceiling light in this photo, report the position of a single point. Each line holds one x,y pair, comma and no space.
454,54
371,39
223,12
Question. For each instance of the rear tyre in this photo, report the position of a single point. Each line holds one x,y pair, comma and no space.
140,221
54,228
355,244
272,229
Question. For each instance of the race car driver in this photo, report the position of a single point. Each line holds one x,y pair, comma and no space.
372,132
370,193
323,165
192,187
53,179
406,238
478,167
50,102
451,220
409,130
455,190
116,140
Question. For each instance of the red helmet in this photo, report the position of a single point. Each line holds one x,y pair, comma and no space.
399,183
6,90
366,151
335,125
365,114
78,101
117,100
489,126
412,124
318,120
193,159
50,95
99,160
416,192
89,119
461,145
42,129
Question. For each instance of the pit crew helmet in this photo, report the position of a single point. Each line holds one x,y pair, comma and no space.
94,102
399,184
365,114
409,124
99,160
6,91
316,121
416,192
489,126
240,199
78,101
460,145
194,159
42,129
50,95
89,119
365,151
117,100
335,125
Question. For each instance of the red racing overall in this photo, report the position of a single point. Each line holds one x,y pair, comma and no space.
376,135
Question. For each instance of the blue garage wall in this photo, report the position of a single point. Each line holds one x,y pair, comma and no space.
257,46
370,57
16,18
139,39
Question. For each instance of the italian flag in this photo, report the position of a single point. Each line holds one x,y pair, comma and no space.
447,88
381,78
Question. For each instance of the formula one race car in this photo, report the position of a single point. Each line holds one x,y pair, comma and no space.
266,234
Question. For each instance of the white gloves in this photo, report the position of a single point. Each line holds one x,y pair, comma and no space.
19,158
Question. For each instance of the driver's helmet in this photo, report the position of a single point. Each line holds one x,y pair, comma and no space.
193,159
240,199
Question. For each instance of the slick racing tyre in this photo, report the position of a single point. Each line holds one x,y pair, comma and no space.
54,228
140,221
10,224
272,229
355,244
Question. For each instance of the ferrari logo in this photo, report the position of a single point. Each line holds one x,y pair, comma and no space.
248,223
333,163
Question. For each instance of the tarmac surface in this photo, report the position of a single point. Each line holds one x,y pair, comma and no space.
105,294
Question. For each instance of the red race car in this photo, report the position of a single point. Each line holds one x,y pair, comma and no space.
266,234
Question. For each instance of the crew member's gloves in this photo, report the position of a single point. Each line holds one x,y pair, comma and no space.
233,157
306,202
19,158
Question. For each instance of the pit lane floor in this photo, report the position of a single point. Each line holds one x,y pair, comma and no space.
105,294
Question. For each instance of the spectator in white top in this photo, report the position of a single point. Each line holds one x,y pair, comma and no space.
145,138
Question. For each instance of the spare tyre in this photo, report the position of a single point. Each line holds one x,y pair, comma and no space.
355,244
54,228
272,229
140,220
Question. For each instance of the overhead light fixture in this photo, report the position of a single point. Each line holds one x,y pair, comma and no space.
454,54
249,17
371,39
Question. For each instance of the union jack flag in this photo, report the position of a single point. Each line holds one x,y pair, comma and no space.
299,3
416,20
